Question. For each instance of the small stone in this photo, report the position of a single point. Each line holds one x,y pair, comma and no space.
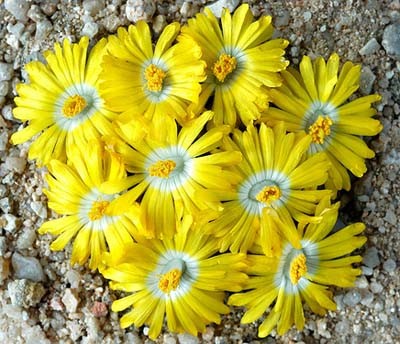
18,8
43,28
49,7
70,300
4,87
159,23
25,293
90,29
6,71
367,80
56,304
26,239
3,246
282,19
140,10
133,338
307,16
35,13
4,269
361,282
93,6
12,222
352,298
367,298
376,287
99,309
146,331
371,47
15,164
39,209
208,334
217,7
169,339
391,40
367,271
111,23
3,140
390,217
73,278
7,112
185,338
16,29
371,257
389,265
27,268
5,205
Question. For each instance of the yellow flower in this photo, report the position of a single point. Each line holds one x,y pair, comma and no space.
169,167
274,176
74,192
159,82
178,278
62,101
315,101
241,59
301,273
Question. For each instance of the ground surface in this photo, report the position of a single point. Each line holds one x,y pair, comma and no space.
68,305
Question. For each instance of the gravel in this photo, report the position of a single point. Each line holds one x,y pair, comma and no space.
75,305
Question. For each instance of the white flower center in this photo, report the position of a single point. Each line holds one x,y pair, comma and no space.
155,80
168,168
92,208
319,122
294,265
76,105
174,275
229,63
264,189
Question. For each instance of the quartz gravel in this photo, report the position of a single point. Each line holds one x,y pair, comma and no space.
45,300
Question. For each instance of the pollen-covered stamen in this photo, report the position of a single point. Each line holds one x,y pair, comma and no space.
154,77
225,65
298,268
98,209
320,129
170,281
269,194
162,168
74,105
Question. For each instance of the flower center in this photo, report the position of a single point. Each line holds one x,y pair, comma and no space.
154,77
320,129
98,209
225,65
170,280
298,268
73,106
162,168
269,194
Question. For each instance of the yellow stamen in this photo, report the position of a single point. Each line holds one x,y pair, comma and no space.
269,194
170,280
98,209
298,268
225,65
162,168
154,77
73,106
320,129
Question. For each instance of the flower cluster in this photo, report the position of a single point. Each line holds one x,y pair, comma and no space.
200,164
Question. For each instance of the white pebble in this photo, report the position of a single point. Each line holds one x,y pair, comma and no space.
90,29
27,268
217,7
389,265
6,71
140,10
70,300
